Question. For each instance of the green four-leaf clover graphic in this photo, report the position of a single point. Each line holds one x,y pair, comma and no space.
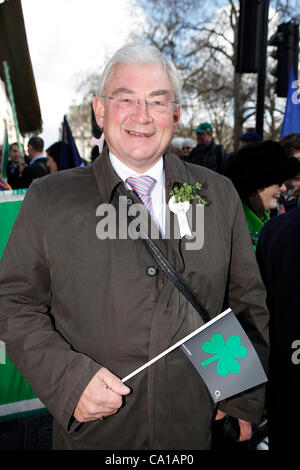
225,353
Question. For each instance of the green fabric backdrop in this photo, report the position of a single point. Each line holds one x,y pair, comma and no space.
14,389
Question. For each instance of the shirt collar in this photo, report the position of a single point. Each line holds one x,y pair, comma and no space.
124,172
36,158
107,179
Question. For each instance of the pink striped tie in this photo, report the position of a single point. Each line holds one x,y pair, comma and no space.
143,186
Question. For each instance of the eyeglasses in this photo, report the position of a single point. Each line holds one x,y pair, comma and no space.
161,105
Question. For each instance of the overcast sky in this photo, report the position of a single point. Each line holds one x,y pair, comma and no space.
66,39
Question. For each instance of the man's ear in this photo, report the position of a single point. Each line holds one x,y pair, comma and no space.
98,108
177,114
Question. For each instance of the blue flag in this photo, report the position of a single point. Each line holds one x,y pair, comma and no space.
291,121
69,153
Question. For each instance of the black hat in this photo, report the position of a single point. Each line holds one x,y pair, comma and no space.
250,137
259,166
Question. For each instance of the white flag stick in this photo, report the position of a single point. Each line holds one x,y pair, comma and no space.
176,345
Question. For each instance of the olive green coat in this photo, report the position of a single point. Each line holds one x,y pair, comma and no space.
71,302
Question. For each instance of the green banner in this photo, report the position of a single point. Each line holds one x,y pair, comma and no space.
5,150
16,396
10,203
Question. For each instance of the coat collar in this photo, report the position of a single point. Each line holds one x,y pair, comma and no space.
107,179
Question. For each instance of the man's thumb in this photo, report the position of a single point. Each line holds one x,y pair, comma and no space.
113,382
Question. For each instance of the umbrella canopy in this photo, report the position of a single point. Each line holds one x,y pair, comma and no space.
14,50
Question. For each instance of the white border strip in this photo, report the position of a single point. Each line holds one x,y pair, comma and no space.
186,338
12,196
21,406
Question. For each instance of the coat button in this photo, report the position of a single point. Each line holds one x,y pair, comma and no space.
151,271
129,201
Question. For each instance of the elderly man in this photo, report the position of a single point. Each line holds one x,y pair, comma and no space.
207,153
81,309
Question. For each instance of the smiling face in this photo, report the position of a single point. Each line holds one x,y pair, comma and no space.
269,196
137,135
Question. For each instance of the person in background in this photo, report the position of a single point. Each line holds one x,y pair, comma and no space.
175,146
249,138
54,157
278,257
259,172
13,166
58,153
207,153
186,147
291,145
37,166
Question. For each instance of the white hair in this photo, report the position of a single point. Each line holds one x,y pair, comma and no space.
176,142
188,141
141,54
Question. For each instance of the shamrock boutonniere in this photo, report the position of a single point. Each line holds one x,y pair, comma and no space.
179,203
188,193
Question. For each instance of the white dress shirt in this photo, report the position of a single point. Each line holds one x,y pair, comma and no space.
158,193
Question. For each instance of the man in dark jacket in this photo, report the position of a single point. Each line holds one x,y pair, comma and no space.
12,170
37,166
278,256
82,301
207,153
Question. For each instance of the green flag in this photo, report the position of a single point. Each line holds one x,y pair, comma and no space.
5,150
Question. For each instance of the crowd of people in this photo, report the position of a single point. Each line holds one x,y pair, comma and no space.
266,175
21,172
88,311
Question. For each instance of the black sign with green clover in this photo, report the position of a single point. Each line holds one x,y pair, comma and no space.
225,358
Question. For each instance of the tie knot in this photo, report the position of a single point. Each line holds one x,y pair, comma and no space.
142,185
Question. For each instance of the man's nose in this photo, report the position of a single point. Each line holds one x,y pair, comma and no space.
141,112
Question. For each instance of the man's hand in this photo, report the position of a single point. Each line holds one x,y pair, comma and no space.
245,426
102,397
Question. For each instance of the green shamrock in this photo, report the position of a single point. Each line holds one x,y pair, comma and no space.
187,193
225,353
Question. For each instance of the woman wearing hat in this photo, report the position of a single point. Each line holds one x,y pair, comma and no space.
258,172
